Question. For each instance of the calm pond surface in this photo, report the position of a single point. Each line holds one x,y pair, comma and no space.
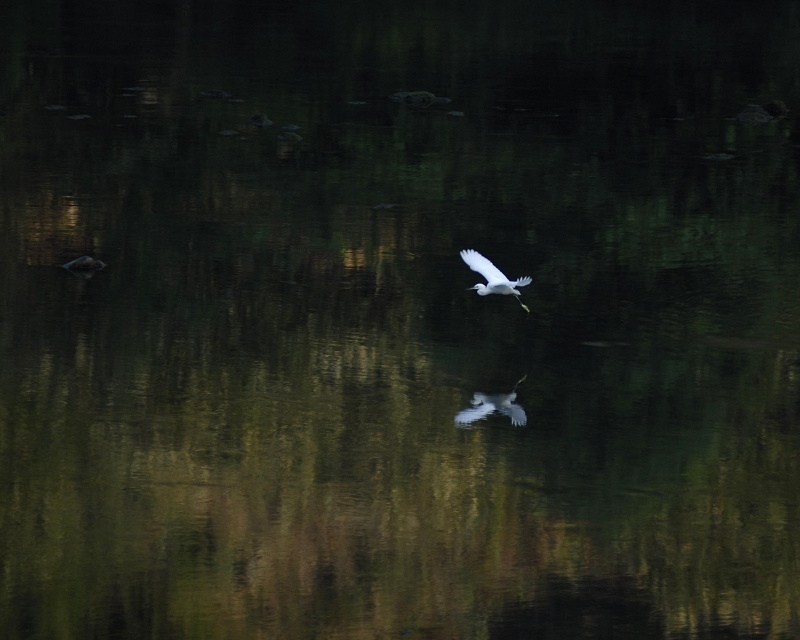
278,413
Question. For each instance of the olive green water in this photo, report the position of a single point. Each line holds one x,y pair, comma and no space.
245,425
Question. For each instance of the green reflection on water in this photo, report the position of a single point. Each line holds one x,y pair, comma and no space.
244,427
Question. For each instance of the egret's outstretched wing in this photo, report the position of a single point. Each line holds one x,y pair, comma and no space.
473,414
523,282
477,262
516,413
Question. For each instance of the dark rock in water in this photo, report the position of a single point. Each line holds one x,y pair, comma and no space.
80,116
55,107
753,114
419,98
356,103
455,113
388,205
776,108
228,132
216,94
260,120
85,263
761,114
290,127
719,156
288,136
133,88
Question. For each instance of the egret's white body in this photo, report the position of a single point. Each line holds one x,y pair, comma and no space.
496,281
484,404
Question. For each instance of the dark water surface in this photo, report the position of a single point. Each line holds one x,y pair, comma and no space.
245,425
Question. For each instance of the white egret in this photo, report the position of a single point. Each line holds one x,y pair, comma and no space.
484,404
496,281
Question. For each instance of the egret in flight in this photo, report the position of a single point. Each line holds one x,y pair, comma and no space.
484,404
496,281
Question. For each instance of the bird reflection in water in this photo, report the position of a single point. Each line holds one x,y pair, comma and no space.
484,404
